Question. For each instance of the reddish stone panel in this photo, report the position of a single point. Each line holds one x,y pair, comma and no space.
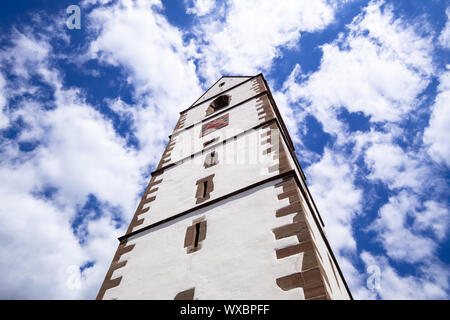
215,124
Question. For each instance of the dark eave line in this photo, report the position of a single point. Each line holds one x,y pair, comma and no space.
208,203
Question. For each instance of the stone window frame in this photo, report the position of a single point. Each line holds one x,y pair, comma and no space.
186,294
204,187
211,159
195,234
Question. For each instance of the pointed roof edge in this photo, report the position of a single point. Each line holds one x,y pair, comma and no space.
227,76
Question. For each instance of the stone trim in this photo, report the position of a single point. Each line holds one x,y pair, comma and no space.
181,121
108,282
202,194
185,295
147,197
165,158
264,109
210,146
289,209
312,277
275,146
258,84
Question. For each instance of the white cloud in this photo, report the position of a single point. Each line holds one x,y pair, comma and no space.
25,54
437,133
200,7
288,115
444,37
245,37
134,36
86,3
38,245
356,280
79,165
435,217
4,121
41,254
395,234
332,186
390,164
378,69
39,251
396,287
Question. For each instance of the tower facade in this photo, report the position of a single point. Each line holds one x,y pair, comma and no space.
227,213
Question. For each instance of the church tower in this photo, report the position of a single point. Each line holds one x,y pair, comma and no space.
227,213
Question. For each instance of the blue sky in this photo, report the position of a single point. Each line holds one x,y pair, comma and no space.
363,86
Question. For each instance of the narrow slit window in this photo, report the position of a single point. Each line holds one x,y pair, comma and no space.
195,234
211,159
204,187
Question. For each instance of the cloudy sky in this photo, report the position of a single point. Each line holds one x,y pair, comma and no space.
363,86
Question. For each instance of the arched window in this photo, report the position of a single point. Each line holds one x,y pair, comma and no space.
218,103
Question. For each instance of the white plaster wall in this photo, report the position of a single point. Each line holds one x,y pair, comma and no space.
237,95
216,89
237,259
190,141
241,163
